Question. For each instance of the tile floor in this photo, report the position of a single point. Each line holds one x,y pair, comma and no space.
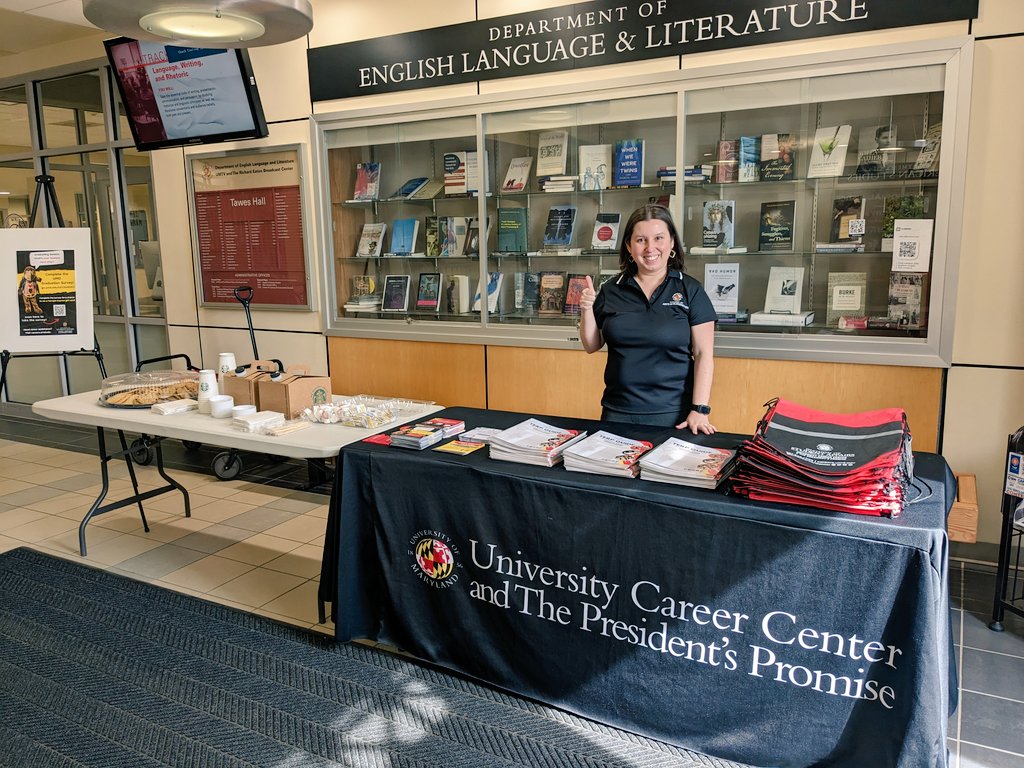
256,542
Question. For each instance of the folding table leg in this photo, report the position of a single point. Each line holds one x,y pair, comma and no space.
131,473
169,479
104,458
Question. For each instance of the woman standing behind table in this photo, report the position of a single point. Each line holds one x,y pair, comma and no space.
660,329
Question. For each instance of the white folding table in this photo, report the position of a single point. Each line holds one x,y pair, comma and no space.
318,441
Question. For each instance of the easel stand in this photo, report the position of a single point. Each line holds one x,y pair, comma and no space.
1009,594
45,190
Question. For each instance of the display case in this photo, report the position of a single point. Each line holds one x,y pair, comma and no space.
817,201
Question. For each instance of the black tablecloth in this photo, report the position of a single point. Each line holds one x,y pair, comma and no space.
764,633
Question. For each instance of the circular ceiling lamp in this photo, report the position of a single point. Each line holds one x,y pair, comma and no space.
226,23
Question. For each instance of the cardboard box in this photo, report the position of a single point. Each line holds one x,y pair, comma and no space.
292,392
243,387
962,523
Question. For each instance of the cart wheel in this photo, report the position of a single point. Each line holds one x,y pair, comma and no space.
191,445
140,452
227,465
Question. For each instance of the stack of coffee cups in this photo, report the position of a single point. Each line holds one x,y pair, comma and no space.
207,389
225,365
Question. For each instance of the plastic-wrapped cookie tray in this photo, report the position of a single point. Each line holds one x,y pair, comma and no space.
145,389
364,411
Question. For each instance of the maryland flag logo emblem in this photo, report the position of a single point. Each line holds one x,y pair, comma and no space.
434,558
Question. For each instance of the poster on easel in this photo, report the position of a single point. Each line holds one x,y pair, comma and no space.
47,275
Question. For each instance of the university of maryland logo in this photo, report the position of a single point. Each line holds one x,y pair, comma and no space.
436,559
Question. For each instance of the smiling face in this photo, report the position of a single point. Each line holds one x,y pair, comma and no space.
649,246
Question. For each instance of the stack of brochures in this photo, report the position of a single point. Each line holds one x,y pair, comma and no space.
479,434
533,442
417,436
684,463
450,427
606,454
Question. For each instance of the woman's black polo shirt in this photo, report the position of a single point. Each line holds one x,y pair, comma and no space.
649,355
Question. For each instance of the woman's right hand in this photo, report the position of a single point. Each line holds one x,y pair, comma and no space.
588,296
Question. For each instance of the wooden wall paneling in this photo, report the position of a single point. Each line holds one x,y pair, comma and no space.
346,222
553,382
569,383
448,374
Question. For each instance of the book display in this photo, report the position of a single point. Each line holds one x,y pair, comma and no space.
835,193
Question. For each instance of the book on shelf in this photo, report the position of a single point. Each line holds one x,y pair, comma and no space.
518,290
899,207
784,291
458,229
431,234
371,239
911,245
595,166
628,163
876,145
557,183
404,233
778,156
428,291
444,231
558,231
428,191
907,307
775,231
700,250
533,442
847,295
748,158
847,223
726,161
552,152
454,166
477,178
457,295
928,158
512,230
796,319
604,276
362,285
396,293
606,231
684,463
518,175
741,315
531,291
551,293
699,172
493,289
604,453
574,288
367,181
828,151
722,285
719,225
471,248
368,303
849,247
412,185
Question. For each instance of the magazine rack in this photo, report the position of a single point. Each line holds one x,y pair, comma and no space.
1009,594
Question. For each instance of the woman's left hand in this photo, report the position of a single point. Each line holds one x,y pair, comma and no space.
698,423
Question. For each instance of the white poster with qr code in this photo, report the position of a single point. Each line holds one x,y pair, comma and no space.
911,245
1015,475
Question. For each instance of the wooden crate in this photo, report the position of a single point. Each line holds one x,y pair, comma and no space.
963,517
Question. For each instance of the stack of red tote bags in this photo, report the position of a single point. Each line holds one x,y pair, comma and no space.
857,462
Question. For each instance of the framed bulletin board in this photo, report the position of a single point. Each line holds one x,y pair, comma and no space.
248,227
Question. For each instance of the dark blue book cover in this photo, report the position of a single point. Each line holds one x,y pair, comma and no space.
559,229
412,185
629,163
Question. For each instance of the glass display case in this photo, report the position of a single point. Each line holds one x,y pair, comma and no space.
814,206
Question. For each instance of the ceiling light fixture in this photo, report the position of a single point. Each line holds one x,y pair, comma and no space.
226,23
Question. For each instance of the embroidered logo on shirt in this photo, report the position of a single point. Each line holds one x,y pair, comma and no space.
677,301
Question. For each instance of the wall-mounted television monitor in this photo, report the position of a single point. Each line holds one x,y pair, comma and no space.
176,96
